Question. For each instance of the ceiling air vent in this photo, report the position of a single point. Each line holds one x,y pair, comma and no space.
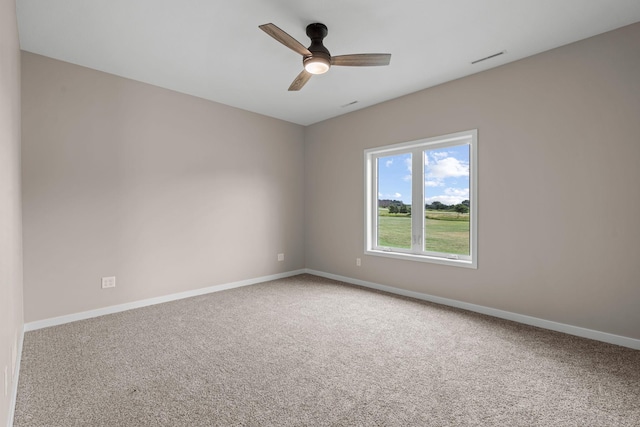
488,57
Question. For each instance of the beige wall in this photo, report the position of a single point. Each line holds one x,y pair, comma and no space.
559,156
10,216
165,191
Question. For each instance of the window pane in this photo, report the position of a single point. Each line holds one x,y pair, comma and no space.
446,199
394,201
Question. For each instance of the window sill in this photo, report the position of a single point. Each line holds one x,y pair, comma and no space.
423,258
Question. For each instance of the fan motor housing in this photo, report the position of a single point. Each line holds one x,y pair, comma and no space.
316,32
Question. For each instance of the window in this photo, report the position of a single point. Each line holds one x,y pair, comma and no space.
421,200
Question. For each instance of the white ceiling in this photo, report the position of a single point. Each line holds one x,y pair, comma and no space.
213,49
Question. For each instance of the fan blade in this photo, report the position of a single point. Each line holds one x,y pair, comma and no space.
362,59
301,80
285,39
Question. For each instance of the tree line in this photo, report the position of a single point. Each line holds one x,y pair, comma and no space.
397,206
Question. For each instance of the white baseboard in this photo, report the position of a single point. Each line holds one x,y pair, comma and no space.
16,374
520,318
45,323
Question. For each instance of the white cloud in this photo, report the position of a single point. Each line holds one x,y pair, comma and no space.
458,192
433,183
409,164
447,167
447,200
451,196
395,195
434,156
388,163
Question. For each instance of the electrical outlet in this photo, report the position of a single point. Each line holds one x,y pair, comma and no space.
280,257
358,262
108,282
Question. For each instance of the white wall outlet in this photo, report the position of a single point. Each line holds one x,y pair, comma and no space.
358,262
280,257
108,282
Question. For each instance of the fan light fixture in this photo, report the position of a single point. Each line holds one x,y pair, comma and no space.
316,59
317,65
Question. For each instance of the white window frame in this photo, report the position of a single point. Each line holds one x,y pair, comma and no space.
417,148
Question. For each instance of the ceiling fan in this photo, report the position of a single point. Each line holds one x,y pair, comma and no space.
316,59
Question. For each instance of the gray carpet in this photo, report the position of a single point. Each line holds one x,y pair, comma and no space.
307,351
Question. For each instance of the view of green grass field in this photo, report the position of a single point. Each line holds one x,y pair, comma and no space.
446,232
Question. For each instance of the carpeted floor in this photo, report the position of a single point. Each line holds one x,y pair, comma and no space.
307,351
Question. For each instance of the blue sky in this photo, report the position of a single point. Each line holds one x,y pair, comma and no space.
446,176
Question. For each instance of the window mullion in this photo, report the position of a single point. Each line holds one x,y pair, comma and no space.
417,200
374,201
